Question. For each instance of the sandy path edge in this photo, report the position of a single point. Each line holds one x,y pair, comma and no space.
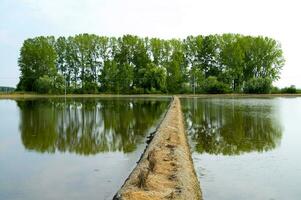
165,170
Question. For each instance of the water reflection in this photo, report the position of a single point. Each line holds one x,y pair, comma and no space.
87,126
231,126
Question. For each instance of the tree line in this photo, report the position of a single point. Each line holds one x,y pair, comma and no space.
5,89
88,63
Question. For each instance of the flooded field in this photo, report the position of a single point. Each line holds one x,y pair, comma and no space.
246,148
72,148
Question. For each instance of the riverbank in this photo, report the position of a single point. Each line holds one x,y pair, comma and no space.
165,170
29,95
33,95
237,95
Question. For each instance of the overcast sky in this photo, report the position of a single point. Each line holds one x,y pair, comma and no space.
22,19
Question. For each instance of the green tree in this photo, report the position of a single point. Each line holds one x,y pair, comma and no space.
50,85
209,58
88,63
258,85
232,60
109,77
153,78
87,52
193,54
176,67
213,86
37,58
158,52
289,90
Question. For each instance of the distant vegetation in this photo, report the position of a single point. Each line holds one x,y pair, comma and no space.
88,63
4,89
286,90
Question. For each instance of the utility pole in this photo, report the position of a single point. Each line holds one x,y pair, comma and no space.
65,88
194,83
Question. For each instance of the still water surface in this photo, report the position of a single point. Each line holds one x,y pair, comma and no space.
73,148
246,148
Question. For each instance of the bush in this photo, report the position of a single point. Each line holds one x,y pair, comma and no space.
212,86
289,90
90,88
43,85
185,89
50,85
153,91
258,86
275,90
138,90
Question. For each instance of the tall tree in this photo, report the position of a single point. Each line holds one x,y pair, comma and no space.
193,56
232,60
176,67
88,63
37,58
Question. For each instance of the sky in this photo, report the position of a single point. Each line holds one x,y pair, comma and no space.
22,19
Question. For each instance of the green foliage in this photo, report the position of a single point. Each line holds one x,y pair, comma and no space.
109,77
213,86
289,90
50,85
37,58
258,86
88,63
153,78
175,67
44,84
275,90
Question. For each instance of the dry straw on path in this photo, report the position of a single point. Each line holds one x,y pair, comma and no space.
165,170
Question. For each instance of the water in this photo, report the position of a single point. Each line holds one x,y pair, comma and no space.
246,148
73,148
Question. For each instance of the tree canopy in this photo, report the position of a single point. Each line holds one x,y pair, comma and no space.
87,63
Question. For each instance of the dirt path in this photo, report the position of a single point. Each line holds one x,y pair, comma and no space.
165,170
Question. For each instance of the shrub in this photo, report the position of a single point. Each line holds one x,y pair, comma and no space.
258,86
50,85
90,88
152,91
137,90
44,85
275,90
212,86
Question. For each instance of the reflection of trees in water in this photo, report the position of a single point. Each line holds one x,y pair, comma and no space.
217,127
87,126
